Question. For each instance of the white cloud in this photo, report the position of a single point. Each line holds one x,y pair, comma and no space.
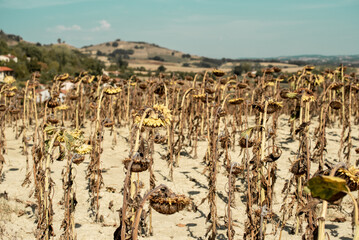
104,25
63,28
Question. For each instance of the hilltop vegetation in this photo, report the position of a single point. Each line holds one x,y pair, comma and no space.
49,60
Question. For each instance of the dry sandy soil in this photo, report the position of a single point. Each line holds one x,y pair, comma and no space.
17,210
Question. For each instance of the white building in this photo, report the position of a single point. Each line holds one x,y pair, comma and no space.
7,58
5,71
44,95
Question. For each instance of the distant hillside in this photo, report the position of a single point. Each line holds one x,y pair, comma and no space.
348,60
49,60
10,39
142,54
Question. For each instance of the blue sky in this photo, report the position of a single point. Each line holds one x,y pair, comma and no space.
212,28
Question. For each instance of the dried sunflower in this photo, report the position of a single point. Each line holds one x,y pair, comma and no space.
270,84
285,93
112,90
335,86
9,80
139,163
166,113
335,105
159,117
236,101
52,103
13,88
199,96
242,85
277,69
308,98
78,158
268,70
52,120
271,108
83,149
76,133
351,176
153,122
62,107
218,73
87,79
167,202
62,77
308,68
10,94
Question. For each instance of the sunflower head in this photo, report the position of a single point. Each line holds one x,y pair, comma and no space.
9,80
83,149
336,86
159,117
309,68
112,90
76,133
62,77
199,96
10,94
351,176
308,98
164,111
236,101
63,107
87,78
218,73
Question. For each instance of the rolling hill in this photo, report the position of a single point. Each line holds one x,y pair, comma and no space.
149,56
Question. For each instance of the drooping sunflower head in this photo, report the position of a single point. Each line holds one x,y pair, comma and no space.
236,101
351,175
10,94
159,117
272,107
112,90
199,96
268,70
336,86
308,98
76,133
164,111
9,79
335,105
88,79
83,149
286,94
63,107
309,68
62,77
218,73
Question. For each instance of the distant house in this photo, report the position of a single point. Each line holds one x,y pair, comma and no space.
43,94
67,86
5,71
7,58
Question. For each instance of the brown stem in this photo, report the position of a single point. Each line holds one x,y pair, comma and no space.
140,208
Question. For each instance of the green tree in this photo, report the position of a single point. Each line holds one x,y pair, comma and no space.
4,49
121,63
20,70
161,69
244,67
